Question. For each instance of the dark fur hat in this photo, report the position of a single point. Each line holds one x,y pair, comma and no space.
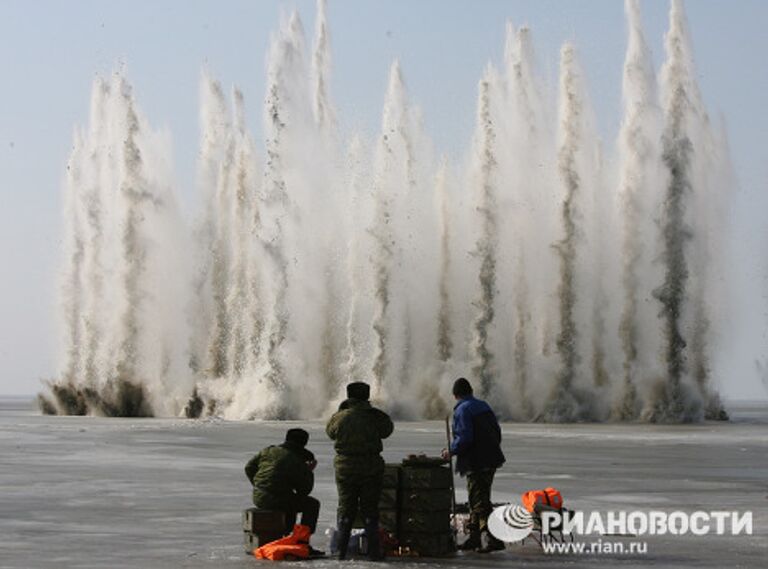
359,390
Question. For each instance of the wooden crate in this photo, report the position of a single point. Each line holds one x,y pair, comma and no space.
433,523
256,520
390,499
425,499
439,477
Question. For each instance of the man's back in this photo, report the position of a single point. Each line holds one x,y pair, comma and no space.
278,473
358,428
477,442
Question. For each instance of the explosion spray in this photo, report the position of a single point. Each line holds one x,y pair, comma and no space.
639,156
393,172
93,340
220,266
521,358
384,245
638,78
601,221
214,136
68,398
673,400
444,341
487,243
137,197
526,136
325,116
119,205
566,248
276,210
273,326
564,404
352,365
333,341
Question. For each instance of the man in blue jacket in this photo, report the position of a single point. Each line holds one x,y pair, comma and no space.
476,445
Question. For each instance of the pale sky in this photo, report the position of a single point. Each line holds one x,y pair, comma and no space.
51,50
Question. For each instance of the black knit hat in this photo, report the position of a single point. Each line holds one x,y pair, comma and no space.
358,390
462,388
299,437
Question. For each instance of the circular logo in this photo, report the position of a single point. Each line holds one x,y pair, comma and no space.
510,523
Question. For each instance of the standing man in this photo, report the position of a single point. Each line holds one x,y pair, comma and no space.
282,478
477,447
357,429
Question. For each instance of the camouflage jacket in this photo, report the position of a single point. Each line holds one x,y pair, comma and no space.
357,428
278,474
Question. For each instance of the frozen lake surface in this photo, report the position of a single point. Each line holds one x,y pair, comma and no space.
82,492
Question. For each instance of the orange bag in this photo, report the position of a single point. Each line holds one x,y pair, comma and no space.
294,546
547,497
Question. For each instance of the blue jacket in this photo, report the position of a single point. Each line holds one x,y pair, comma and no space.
476,436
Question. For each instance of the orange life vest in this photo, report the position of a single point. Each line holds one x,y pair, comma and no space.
547,497
294,546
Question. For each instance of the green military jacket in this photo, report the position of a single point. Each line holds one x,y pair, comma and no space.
357,428
279,474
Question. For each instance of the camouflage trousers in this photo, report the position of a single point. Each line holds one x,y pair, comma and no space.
479,489
359,481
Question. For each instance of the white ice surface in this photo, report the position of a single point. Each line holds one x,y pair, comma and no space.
82,492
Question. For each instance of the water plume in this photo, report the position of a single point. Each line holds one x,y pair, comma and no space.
122,221
391,173
321,64
521,347
639,158
353,364
526,136
444,340
564,403
277,211
205,339
487,243
676,399
334,342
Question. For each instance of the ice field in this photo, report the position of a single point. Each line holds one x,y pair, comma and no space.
81,492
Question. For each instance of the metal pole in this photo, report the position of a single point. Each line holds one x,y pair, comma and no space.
450,465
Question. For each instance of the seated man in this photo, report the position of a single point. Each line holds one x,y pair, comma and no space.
282,479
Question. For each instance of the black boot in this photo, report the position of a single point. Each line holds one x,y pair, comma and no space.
374,545
472,542
345,530
489,543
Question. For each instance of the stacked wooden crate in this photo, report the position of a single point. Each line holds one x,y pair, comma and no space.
389,502
415,509
261,527
425,509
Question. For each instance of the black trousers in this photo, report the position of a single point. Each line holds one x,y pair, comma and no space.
308,507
